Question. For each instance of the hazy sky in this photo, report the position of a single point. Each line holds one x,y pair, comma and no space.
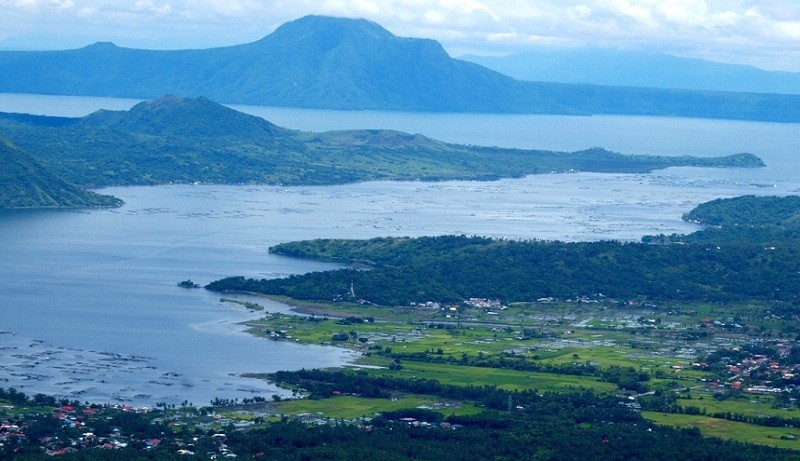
765,33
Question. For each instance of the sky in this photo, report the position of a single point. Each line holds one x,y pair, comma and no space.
763,33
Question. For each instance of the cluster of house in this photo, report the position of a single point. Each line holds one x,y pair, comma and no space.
10,434
73,433
484,303
760,374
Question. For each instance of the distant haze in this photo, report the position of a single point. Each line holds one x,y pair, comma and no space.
639,69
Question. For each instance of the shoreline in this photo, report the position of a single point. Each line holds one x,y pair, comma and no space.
295,307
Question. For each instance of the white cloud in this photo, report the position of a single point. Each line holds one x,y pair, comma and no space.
36,4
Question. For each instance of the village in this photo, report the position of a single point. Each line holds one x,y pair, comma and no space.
43,426
72,427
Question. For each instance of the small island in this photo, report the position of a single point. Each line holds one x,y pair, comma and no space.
188,284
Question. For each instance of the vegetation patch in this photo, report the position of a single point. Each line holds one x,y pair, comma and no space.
779,437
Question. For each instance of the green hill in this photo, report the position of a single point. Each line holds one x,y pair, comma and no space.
770,221
173,116
337,63
180,140
25,184
748,211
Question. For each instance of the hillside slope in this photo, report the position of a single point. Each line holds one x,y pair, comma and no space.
25,184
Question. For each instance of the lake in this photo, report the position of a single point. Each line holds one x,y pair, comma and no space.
91,310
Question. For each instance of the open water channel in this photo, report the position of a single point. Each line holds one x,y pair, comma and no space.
90,310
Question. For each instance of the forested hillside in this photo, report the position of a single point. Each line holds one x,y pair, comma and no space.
25,184
751,219
604,66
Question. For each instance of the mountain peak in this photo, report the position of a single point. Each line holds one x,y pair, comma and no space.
340,63
319,35
321,26
170,102
101,46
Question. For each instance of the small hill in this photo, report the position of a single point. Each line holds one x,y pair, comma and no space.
25,184
748,211
353,64
770,221
170,115
372,138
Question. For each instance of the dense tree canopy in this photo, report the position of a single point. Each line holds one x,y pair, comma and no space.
748,219
455,268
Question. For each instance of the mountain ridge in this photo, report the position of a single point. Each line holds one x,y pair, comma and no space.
352,64
638,69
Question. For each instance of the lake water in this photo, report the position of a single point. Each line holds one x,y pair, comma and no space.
90,308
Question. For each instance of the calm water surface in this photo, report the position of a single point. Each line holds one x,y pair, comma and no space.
90,308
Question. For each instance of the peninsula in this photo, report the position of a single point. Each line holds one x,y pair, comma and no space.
195,140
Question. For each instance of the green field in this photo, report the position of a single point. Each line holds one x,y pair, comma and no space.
348,407
321,331
616,355
9,409
504,379
753,406
731,430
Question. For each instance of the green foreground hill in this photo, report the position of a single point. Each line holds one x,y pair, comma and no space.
181,140
25,184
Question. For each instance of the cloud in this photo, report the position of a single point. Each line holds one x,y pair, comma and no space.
748,31
36,5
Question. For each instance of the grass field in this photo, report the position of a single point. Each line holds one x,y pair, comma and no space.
9,409
754,406
347,407
731,430
504,379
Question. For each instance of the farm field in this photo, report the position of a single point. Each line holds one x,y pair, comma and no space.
555,347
